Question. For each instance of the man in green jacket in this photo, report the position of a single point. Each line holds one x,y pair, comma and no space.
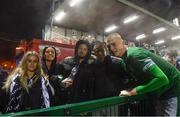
153,74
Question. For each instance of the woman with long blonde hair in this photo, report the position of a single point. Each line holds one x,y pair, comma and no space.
27,87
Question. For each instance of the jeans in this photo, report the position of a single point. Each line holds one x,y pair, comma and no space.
167,107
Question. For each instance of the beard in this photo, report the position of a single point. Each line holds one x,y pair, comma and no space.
81,57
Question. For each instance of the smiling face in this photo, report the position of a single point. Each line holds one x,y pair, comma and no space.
116,45
49,54
32,63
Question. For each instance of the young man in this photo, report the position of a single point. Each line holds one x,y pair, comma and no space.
109,70
80,78
110,79
153,74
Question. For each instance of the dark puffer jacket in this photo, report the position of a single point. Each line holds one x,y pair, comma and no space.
111,77
83,83
103,87
115,70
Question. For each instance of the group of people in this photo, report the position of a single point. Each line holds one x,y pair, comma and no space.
42,82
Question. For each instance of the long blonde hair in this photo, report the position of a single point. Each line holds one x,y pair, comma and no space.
21,70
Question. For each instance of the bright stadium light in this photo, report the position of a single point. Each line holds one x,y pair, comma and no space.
110,28
74,2
159,42
60,15
130,19
175,37
159,30
140,36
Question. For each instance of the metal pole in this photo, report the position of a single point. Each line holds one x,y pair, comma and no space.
52,16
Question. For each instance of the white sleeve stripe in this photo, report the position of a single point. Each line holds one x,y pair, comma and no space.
148,64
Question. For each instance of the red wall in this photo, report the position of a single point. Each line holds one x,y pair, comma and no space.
64,52
64,49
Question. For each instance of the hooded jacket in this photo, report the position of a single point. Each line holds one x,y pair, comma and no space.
83,83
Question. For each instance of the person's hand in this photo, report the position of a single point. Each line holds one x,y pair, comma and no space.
124,93
128,93
67,82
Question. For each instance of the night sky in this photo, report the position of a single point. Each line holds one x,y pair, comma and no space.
21,19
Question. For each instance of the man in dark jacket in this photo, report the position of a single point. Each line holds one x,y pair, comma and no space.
108,73
80,80
110,78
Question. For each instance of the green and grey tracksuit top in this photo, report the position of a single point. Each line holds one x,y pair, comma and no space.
154,74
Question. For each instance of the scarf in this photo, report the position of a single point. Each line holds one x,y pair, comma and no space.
16,94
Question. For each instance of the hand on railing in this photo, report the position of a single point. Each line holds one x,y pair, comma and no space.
128,93
67,82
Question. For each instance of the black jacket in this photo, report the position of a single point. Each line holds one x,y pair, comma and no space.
31,100
103,87
115,71
55,79
83,83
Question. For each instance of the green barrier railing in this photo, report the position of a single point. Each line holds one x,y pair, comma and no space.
79,108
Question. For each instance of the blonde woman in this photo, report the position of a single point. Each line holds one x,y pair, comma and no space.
27,87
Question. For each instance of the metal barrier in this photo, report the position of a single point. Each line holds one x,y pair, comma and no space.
113,106
81,108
